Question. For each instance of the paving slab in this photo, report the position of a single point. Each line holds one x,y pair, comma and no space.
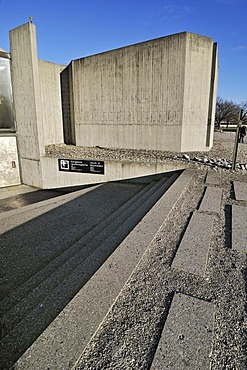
240,190
187,337
211,201
213,178
192,254
239,228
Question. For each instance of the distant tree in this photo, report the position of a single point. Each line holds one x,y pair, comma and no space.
226,111
243,106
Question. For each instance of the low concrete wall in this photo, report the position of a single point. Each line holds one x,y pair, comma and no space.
9,164
114,170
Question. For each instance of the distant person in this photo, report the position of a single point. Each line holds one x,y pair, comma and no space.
242,133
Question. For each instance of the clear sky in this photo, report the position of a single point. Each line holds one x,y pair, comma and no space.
71,29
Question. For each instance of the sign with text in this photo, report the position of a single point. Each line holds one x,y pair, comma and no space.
82,166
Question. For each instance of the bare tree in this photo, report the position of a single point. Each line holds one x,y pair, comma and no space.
226,111
243,106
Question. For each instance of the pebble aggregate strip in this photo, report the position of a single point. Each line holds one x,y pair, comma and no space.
219,157
129,335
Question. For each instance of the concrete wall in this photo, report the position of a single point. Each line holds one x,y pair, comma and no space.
52,127
212,96
155,95
67,102
9,166
197,90
152,95
37,102
114,170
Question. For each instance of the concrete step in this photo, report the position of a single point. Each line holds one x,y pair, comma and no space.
29,294
59,346
22,199
37,209
35,243
71,249
60,288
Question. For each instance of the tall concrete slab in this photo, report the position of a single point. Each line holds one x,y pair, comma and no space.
197,90
152,95
37,102
27,100
26,89
52,127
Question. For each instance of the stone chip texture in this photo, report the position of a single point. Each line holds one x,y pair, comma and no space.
187,337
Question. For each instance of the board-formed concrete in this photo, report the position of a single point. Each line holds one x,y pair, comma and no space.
240,190
187,337
239,228
157,95
152,95
211,201
192,253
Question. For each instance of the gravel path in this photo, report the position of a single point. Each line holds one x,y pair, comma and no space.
222,148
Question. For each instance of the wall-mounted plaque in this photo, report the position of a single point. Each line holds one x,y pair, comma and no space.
82,166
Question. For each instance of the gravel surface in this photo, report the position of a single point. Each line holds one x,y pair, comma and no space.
129,335
222,149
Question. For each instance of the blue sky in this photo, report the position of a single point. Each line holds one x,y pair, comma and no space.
73,29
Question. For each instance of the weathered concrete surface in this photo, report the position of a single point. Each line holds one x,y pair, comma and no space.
211,201
187,338
193,250
114,171
9,163
239,228
152,95
240,190
39,120
213,178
